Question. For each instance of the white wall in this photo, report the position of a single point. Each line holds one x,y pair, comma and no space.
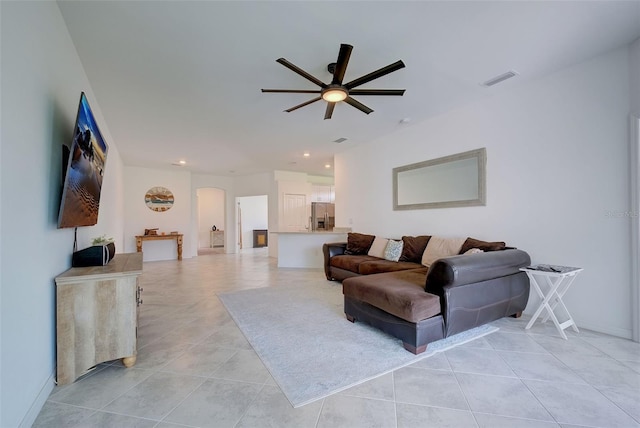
255,185
210,213
200,181
42,78
556,166
634,84
255,215
140,217
250,185
634,76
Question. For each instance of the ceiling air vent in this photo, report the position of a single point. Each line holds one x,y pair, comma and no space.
340,140
501,78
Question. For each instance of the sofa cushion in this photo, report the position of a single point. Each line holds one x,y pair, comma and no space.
393,250
470,243
473,251
413,248
370,267
398,293
378,246
358,243
349,262
438,248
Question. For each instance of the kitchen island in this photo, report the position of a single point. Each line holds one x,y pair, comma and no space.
304,249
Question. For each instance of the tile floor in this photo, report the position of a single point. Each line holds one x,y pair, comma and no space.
196,369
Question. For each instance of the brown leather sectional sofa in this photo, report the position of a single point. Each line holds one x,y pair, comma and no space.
419,305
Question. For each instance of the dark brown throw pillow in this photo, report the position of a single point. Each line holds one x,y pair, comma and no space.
413,247
358,243
483,245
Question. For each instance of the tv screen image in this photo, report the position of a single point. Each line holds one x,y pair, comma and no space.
85,168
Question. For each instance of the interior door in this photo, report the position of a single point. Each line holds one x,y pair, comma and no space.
295,212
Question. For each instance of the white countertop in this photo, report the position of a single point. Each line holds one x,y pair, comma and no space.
303,248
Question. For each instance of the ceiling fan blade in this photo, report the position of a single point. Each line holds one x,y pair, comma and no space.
329,111
363,108
303,104
301,72
375,74
292,91
377,92
341,64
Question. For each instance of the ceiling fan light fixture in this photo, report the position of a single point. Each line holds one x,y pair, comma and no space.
334,95
337,91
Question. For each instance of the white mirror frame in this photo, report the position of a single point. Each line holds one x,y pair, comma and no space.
479,198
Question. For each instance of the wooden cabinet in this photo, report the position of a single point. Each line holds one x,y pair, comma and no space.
97,315
216,238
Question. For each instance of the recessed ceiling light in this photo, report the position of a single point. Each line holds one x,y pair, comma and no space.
182,162
306,154
327,165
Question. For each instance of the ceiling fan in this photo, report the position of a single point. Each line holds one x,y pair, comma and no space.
336,91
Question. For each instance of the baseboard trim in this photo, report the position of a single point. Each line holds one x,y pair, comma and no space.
624,333
38,403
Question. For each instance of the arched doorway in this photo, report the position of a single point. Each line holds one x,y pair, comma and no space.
211,215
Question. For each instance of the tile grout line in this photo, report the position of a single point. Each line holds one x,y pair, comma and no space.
164,416
529,389
466,400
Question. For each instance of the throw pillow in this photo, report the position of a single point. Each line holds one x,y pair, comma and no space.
358,243
413,248
378,247
473,251
393,250
483,245
438,248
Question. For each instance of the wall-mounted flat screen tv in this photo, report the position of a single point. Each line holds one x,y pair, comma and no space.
84,171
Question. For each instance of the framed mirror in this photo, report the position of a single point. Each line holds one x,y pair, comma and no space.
452,181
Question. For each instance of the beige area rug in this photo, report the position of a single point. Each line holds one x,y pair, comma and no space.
303,338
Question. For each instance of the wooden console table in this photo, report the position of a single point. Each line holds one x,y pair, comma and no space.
177,237
97,315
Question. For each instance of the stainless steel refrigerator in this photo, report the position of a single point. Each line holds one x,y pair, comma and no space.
322,216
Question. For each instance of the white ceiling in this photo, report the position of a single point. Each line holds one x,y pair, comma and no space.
181,80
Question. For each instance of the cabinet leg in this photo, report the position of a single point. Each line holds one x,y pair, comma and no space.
129,361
